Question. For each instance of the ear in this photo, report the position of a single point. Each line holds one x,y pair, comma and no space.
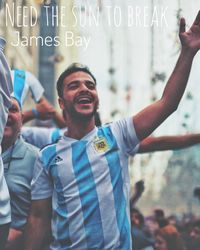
22,115
22,119
61,103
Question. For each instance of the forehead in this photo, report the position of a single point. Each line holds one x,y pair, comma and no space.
78,76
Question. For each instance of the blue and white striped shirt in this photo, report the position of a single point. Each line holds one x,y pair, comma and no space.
89,183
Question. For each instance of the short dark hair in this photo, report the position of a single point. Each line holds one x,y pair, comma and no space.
74,67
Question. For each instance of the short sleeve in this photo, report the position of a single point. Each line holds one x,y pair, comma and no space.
41,185
37,136
125,134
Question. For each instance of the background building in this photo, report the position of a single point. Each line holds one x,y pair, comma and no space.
12,21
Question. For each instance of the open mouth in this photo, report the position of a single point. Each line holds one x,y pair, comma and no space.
84,100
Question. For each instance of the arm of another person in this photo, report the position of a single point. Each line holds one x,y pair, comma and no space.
138,191
38,229
44,111
150,118
152,144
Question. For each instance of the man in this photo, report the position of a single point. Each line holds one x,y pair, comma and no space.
5,91
18,159
86,172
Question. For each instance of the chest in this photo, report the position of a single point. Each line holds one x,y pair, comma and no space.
87,165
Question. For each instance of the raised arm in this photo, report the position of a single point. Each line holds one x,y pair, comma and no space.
44,111
151,117
151,144
37,230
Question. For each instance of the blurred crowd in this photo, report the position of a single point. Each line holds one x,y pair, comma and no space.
160,232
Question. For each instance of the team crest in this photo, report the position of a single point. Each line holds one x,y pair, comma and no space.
101,145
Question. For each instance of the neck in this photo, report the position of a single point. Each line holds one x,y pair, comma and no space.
7,142
78,130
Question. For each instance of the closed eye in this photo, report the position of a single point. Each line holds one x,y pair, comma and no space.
90,85
73,85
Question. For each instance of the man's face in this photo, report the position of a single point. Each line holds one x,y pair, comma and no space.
14,122
80,99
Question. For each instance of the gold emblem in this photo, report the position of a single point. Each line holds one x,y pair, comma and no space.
101,145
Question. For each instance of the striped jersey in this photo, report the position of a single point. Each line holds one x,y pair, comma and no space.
23,81
88,181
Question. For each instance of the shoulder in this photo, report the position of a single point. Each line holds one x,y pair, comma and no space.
48,153
117,127
30,149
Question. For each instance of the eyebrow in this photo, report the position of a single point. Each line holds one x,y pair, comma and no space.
78,81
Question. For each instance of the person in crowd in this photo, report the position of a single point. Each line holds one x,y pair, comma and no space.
194,236
84,177
23,82
168,238
160,217
191,235
6,89
18,159
141,241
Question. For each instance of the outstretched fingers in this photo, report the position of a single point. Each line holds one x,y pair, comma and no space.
182,26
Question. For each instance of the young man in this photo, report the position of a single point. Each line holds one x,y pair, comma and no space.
5,91
86,173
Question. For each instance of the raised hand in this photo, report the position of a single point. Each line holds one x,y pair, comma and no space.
45,109
191,38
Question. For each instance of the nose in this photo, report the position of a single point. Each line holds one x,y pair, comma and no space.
83,87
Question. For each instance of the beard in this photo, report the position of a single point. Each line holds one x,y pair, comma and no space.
78,116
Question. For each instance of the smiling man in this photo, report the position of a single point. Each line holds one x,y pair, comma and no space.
85,175
18,159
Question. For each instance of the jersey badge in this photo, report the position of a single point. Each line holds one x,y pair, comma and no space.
101,145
